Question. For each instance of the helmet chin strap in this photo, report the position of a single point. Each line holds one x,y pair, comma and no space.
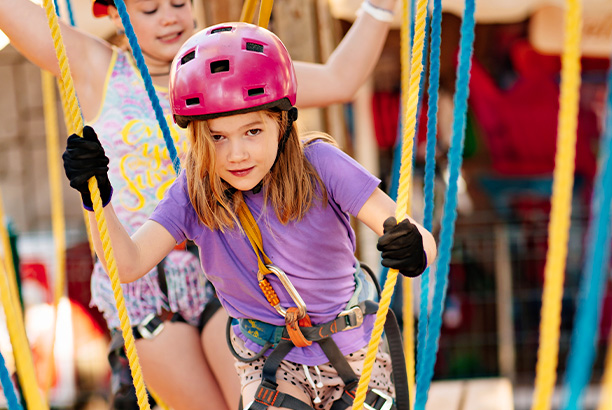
292,116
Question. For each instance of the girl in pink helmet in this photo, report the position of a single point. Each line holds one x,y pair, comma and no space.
234,87
186,367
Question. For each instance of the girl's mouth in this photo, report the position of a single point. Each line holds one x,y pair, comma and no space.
241,172
170,38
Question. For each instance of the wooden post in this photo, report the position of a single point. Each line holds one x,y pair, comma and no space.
329,32
295,23
221,11
503,288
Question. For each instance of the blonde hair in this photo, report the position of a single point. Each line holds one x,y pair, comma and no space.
290,187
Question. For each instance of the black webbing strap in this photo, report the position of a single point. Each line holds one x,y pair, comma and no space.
398,361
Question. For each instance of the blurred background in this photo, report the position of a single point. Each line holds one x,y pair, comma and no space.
491,319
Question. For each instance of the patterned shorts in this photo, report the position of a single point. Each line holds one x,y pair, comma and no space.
188,291
299,375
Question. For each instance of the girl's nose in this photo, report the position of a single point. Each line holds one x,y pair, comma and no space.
170,16
238,151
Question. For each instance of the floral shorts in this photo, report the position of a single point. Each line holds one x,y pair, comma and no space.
188,291
317,381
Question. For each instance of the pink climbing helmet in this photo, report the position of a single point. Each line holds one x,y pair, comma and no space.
228,69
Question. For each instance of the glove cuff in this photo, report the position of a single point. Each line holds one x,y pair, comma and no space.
88,204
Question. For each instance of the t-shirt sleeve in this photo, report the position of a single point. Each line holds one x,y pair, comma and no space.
347,182
175,212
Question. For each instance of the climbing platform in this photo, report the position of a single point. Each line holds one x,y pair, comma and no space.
471,394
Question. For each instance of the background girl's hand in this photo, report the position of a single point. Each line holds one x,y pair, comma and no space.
83,159
402,247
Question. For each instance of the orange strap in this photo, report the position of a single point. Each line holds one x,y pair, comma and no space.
293,327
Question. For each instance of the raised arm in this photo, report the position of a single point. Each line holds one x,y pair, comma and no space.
25,24
398,239
349,65
135,256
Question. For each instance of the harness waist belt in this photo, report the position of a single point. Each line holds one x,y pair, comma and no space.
264,333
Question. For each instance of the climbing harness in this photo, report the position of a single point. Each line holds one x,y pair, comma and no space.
300,332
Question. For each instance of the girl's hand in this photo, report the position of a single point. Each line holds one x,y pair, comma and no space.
85,158
402,247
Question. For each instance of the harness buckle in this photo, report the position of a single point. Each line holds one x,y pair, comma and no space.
295,296
150,326
387,404
353,317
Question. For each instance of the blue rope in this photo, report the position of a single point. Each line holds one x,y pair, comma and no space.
144,71
449,217
8,387
430,167
70,13
593,283
56,7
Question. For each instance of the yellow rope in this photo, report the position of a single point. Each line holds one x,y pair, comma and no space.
248,11
402,199
605,396
77,124
160,403
265,10
407,311
15,326
57,208
558,229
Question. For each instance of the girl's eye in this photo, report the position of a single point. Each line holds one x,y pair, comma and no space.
254,131
149,11
217,137
178,5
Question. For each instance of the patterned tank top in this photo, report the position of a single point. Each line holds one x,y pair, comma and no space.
140,167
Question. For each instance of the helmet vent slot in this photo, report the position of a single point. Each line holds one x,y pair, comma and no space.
250,46
188,57
256,91
192,101
219,66
221,29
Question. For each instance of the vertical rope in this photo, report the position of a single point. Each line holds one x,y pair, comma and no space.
57,208
430,173
146,77
593,283
8,387
455,160
248,11
265,11
16,327
77,123
558,228
402,203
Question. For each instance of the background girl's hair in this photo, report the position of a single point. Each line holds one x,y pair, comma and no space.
290,188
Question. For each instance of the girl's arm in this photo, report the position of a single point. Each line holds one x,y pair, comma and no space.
349,65
379,207
137,255
25,24
84,158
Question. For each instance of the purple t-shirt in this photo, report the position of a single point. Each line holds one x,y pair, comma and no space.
316,253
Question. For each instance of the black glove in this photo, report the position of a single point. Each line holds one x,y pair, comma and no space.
83,159
402,247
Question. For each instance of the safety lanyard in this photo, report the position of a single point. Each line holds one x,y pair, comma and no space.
294,316
252,232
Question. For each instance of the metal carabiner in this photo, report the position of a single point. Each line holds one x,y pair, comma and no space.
295,296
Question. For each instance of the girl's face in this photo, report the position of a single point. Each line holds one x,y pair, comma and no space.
161,26
245,147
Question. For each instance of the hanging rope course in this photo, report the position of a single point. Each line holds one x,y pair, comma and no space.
77,124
